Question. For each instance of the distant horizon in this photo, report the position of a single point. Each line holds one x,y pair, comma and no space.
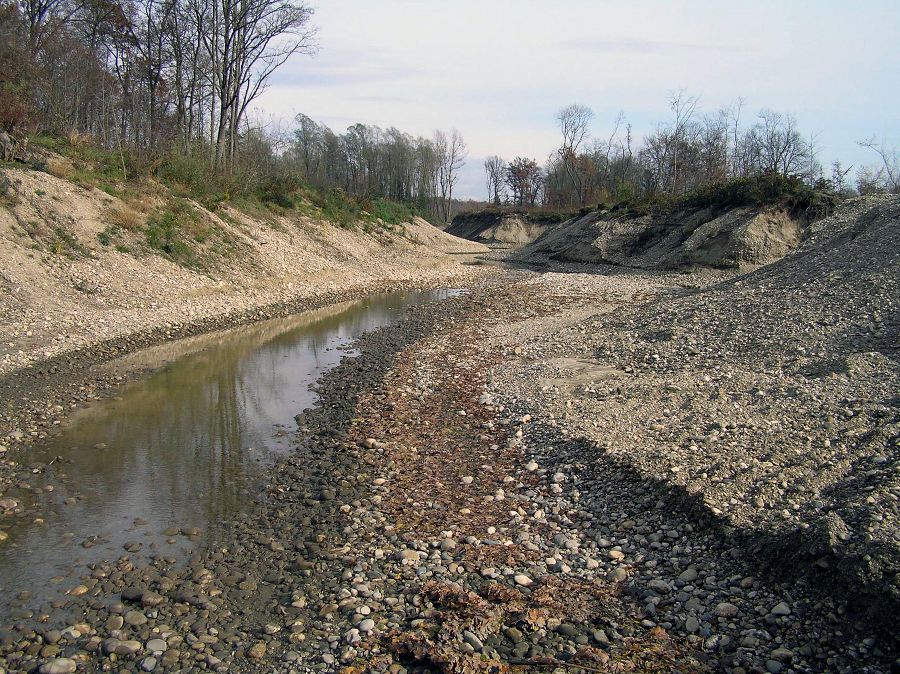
499,72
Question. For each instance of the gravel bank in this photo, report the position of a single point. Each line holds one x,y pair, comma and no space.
609,471
749,428
63,289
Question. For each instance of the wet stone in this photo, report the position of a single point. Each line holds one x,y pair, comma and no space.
781,609
58,666
157,645
567,630
135,618
121,647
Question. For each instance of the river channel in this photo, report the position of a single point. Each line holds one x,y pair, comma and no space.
153,470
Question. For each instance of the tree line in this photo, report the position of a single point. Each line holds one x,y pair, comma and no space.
165,80
169,83
687,151
369,162
150,75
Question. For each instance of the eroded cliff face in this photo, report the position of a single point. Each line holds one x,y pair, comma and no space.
723,238
737,238
501,229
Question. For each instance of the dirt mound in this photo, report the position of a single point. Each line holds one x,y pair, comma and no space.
735,238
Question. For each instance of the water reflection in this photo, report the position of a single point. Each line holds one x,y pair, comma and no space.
180,448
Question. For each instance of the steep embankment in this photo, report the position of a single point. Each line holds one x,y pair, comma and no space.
502,229
79,266
705,237
720,237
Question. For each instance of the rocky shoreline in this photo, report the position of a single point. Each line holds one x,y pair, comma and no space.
36,399
610,471
437,517
194,590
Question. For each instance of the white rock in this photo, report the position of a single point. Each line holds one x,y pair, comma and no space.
59,666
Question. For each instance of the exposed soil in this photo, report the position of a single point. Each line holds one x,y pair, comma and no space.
505,229
726,237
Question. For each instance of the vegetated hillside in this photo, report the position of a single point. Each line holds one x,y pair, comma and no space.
504,228
79,265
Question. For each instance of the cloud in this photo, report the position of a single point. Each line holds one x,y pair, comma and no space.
628,45
499,71
382,99
336,75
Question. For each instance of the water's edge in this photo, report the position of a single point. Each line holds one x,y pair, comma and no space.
153,469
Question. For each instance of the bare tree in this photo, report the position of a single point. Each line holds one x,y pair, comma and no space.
869,180
308,145
574,125
780,147
738,160
44,19
682,107
839,178
574,122
247,40
813,167
452,152
494,174
889,171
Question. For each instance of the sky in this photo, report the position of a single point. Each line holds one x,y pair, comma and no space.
499,70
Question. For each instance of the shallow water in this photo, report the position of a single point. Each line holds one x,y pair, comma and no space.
181,448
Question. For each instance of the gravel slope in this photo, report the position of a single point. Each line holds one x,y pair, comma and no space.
61,289
765,408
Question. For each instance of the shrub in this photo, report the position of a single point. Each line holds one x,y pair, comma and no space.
188,172
390,212
333,205
66,244
173,231
124,217
107,235
790,192
59,167
8,194
771,189
278,190
15,106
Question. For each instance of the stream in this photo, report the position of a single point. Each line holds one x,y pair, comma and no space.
153,470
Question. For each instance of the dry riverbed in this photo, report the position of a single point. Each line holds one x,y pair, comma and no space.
438,515
341,566
562,472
